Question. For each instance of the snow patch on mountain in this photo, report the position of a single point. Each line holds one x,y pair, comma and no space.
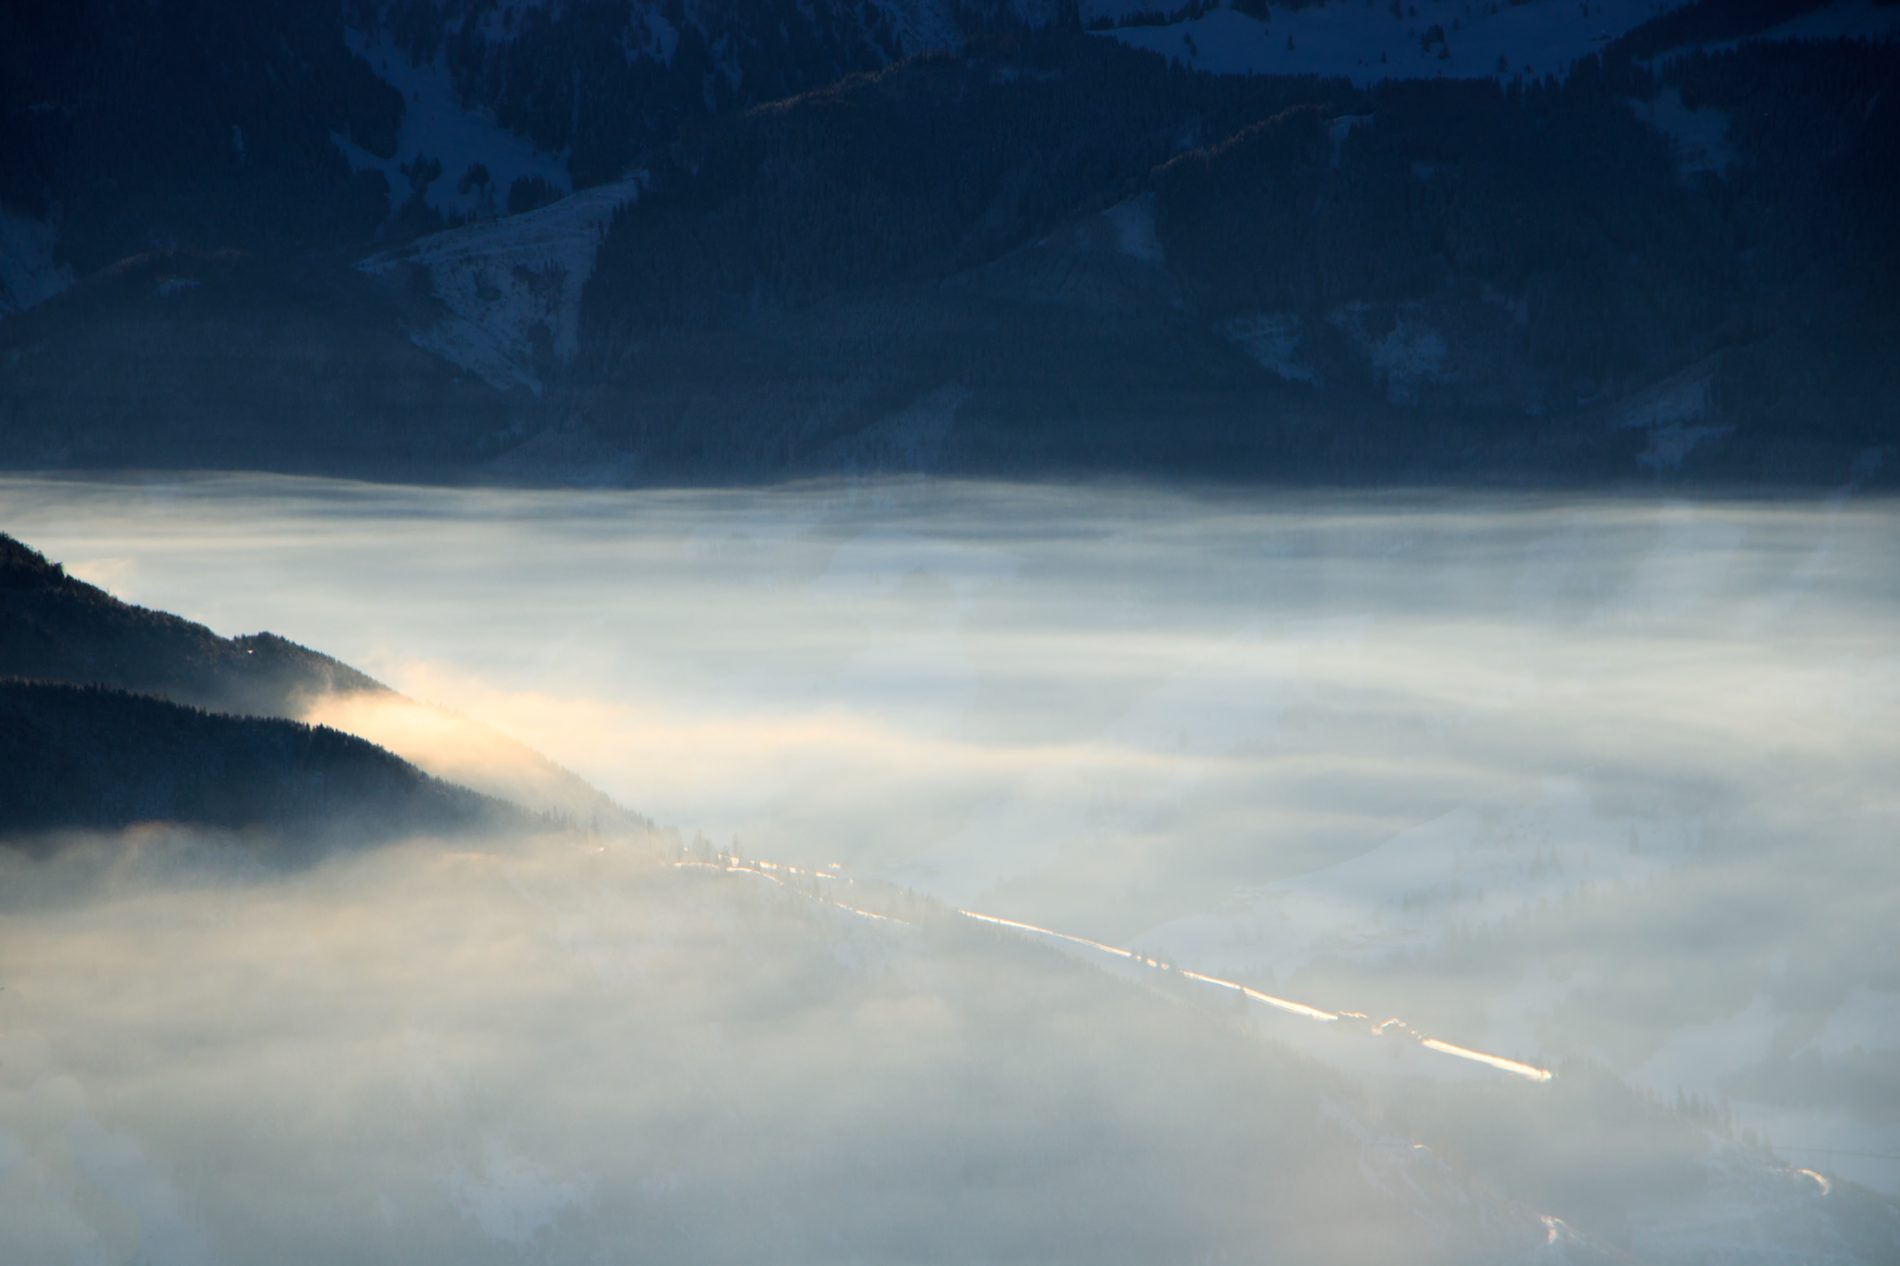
438,129
1671,411
1272,341
920,25
1404,351
510,289
1367,43
500,23
1700,135
1109,12
663,36
28,274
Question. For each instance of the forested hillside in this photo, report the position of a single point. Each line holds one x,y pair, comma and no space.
1290,278
57,628
112,714
660,242
88,758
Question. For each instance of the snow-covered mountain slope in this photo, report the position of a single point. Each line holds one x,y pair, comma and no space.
507,292
603,85
653,30
1508,262
282,125
450,155
1025,252
454,75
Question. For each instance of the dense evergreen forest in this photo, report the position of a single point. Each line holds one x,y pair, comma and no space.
112,714
91,758
1002,245
55,627
1468,275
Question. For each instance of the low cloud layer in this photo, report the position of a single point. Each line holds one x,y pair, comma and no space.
555,1053
1557,777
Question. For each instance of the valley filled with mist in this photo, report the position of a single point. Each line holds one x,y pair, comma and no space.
931,871
867,632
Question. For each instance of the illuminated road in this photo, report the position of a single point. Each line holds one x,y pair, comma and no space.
773,870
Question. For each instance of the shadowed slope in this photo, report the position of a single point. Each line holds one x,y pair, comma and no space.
56,628
84,758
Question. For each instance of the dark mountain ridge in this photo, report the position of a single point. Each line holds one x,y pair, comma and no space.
1416,280
282,126
91,758
57,628
112,714
1018,249
104,691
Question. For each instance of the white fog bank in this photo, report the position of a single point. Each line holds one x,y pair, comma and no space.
1550,777
547,1053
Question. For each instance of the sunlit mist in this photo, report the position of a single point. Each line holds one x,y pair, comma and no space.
1549,777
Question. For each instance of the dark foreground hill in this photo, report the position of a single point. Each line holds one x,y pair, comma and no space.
55,627
112,715
86,758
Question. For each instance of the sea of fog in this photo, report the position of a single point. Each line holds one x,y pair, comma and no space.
1565,777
